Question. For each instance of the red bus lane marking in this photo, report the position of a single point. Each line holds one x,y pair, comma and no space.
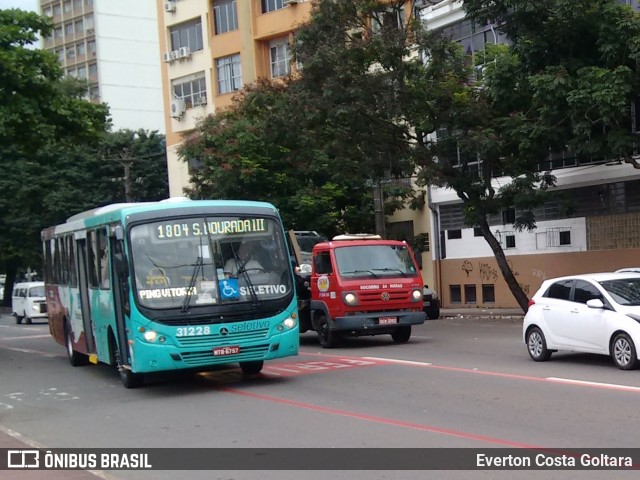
317,366
381,420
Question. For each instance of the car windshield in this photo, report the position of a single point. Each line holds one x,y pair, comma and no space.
625,291
374,261
182,263
36,291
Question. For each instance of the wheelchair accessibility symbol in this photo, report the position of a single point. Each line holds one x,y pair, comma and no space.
229,288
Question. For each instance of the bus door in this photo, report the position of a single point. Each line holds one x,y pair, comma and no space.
83,285
120,285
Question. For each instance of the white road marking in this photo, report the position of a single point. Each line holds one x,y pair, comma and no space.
25,337
613,386
27,350
394,360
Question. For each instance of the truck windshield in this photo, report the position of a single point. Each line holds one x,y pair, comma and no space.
374,261
191,262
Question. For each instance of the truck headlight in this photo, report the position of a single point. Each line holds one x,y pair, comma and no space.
350,299
416,295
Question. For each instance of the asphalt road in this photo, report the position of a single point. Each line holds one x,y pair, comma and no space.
461,383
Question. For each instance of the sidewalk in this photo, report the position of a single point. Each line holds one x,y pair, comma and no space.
505,313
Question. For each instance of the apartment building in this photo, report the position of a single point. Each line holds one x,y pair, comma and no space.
114,45
599,231
209,51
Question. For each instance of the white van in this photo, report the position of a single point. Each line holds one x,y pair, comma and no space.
28,302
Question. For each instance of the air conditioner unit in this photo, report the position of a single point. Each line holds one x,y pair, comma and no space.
167,57
90,31
184,52
175,54
178,107
200,99
170,6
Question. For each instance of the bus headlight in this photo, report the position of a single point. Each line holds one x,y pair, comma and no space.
350,299
289,323
416,295
150,336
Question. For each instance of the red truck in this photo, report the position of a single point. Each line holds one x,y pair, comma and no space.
361,285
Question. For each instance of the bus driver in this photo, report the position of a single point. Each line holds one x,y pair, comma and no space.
243,262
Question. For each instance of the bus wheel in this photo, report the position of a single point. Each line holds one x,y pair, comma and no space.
251,368
326,337
76,359
127,377
401,334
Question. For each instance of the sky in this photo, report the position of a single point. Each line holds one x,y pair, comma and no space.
22,4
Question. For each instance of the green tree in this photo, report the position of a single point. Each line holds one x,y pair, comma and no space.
566,81
42,115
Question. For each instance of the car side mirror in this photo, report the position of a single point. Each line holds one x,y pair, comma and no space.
595,303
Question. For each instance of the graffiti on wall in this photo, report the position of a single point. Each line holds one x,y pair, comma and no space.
487,272
467,267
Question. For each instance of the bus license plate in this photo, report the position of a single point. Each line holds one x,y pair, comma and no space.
387,320
222,351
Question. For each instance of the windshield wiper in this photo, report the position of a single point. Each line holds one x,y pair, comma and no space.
241,270
387,269
192,283
360,271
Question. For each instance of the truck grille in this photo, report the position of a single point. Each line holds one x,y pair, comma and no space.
371,296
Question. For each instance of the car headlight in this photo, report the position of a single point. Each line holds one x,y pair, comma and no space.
35,308
416,295
350,299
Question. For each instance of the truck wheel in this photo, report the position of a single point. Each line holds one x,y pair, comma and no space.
326,337
401,334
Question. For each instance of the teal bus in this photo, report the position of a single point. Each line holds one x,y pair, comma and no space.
145,286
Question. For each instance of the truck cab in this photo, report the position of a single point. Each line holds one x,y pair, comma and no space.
363,285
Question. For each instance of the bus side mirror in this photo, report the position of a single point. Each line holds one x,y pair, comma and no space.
120,265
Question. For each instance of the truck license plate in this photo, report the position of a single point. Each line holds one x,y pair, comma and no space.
387,320
222,351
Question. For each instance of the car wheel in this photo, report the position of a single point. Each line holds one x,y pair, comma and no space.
401,334
251,368
326,336
433,313
623,352
76,359
537,345
18,320
27,321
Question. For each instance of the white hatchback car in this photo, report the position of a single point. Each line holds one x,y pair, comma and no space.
593,313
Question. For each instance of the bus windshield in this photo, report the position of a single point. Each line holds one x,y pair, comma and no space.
374,261
188,262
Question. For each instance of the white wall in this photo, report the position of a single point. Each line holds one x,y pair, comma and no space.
129,63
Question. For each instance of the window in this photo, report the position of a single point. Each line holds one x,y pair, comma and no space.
565,237
77,6
560,290
57,10
57,33
229,74
454,234
585,291
280,58
67,7
68,29
88,22
92,260
323,263
188,34
488,293
508,216
194,164
477,232
388,19
191,89
79,26
271,5
103,259
455,292
82,72
80,49
60,54
510,241
470,293
226,16
91,46
71,52
93,69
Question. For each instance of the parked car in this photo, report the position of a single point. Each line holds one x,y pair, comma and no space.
593,313
430,303
28,302
629,270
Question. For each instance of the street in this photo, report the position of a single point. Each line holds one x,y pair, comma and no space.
463,383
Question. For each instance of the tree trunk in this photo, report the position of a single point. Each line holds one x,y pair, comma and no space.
507,274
